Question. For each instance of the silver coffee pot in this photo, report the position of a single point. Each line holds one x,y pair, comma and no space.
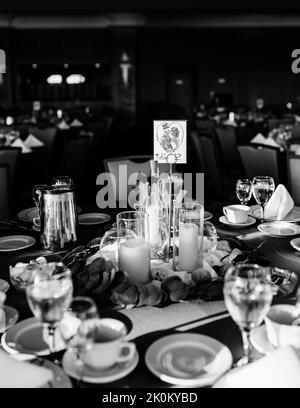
58,215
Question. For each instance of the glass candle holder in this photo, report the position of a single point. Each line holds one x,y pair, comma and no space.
188,219
134,251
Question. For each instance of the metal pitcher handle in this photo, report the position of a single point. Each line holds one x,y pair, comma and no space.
37,192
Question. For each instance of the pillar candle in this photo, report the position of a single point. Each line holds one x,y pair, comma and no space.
134,258
188,246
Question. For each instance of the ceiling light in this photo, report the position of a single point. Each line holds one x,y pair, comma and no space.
54,79
74,79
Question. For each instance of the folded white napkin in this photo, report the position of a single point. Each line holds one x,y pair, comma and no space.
20,143
20,374
259,138
63,125
32,141
295,148
271,142
280,204
76,123
230,123
280,369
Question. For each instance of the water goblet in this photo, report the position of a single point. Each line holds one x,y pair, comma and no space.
263,188
248,295
49,293
243,190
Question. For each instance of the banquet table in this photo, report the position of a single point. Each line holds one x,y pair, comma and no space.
150,323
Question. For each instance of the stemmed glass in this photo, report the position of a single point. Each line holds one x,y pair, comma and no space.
81,309
243,190
263,188
248,295
49,293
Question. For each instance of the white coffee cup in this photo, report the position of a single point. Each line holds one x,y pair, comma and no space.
280,330
108,345
237,214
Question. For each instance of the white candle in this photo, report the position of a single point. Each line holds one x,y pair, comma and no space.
134,258
188,246
154,235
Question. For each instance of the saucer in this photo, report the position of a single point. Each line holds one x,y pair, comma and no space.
279,228
90,375
260,341
251,220
188,359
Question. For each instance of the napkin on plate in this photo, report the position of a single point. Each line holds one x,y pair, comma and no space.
271,142
259,138
63,125
21,374
20,143
32,141
280,369
280,204
230,123
76,123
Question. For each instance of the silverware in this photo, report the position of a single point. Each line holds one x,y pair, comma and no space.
15,224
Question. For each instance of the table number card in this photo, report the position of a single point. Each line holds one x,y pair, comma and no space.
169,141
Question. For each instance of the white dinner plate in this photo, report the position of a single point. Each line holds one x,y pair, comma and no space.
90,375
188,359
207,215
279,229
295,243
29,214
93,218
16,242
27,337
260,341
293,216
250,221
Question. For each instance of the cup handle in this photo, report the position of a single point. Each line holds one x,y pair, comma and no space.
225,211
130,353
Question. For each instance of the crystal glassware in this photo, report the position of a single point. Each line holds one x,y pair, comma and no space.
49,294
188,220
263,188
243,190
134,252
248,295
210,237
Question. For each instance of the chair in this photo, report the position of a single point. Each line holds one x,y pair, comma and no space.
135,165
47,136
9,156
296,133
227,140
261,160
293,170
211,164
4,192
75,158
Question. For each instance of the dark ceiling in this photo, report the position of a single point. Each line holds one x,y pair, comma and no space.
210,6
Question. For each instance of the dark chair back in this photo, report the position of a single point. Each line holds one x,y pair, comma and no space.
293,169
197,150
75,158
227,141
261,160
296,133
10,156
4,192
47,136
211,162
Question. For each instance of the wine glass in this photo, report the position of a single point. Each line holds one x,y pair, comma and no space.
210,237
248,295
49,293
263,188
243,190
81,308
